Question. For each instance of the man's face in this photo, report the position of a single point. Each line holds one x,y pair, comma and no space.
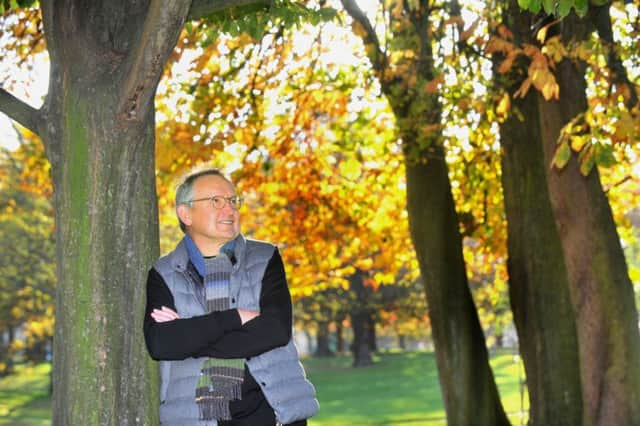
207,225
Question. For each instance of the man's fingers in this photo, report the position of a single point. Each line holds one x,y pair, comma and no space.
170,312
164,315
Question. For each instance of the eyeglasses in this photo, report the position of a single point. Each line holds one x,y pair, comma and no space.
219,201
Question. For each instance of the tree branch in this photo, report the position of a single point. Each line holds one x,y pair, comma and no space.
379,58
602,22
202,8
20,111
159,36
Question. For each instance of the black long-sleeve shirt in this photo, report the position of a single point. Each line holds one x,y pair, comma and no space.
221,335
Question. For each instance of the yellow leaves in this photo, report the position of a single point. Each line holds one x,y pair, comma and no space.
350,169
503,107
384,278
627,127
539,75
581,51
554,49
542,32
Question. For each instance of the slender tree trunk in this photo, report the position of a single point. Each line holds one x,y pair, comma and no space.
538,282
601,291
339,336
360,322
322,349
461,353
373,340
360,347
402,342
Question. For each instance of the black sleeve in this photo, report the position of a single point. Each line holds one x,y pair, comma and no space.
181,338
272,328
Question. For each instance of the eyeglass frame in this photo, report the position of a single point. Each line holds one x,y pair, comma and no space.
234,201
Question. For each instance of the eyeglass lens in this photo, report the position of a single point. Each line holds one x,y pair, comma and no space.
219,202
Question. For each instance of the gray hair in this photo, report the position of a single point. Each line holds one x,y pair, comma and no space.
184,192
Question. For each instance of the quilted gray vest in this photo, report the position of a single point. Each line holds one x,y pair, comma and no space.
278,372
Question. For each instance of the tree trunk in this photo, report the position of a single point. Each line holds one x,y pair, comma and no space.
102,166
360,347
538,285
6,356
402,342
106,223
373,340
538,282
468,387
339,336
601,291
323,350
360,322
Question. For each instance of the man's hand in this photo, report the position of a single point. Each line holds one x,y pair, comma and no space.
164,315
247,315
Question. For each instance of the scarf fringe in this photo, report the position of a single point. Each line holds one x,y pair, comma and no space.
213,402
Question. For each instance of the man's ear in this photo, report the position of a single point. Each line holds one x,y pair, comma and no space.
184,213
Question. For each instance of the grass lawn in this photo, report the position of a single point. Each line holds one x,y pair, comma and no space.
24,397
400,388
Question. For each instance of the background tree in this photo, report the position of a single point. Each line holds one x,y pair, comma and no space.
546,324
404,63
579,210
27,265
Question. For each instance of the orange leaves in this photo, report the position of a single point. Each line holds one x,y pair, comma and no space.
540,75
432,86
541,63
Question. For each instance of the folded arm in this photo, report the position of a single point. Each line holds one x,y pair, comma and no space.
168,337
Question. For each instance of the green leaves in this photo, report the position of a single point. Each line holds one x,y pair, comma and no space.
255,20
560,8
562,155
15,4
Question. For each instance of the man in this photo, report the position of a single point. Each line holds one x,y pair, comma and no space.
219,320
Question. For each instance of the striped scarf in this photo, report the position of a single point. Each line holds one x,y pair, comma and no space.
220,379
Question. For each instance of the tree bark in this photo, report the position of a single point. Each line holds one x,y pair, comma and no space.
360,347
339,336
373,340
322,349
601,291
461,354
538,282
402,342
360,322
